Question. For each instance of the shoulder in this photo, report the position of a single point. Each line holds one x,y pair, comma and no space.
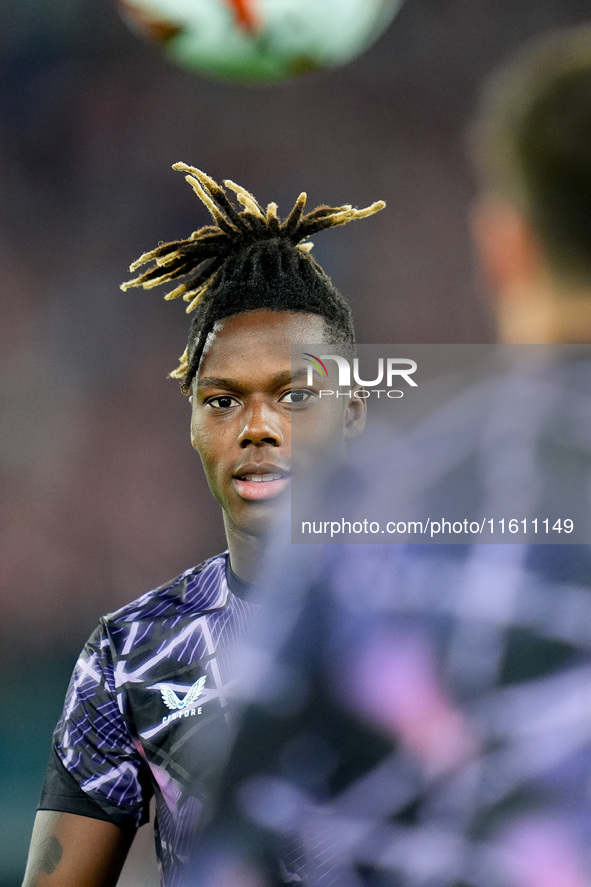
195,591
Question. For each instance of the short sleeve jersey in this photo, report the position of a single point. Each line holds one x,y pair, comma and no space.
147,709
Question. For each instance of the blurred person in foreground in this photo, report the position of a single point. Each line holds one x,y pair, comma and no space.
147,706
419,717
531,221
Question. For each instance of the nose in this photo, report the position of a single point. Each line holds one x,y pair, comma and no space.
262,426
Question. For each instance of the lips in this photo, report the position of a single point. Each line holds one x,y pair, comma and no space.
258,482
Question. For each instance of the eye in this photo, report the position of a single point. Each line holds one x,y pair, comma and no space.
296,396
221,402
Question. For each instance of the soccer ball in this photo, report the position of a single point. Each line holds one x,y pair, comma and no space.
260,40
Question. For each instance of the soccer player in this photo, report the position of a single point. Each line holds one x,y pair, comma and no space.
440,730
146,708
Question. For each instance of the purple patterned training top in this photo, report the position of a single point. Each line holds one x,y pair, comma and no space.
146,709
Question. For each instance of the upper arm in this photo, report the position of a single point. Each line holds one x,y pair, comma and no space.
95,755
68,850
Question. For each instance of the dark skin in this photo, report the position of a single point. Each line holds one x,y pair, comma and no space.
75,851
243,402
242,405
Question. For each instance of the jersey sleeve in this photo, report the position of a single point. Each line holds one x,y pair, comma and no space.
97,768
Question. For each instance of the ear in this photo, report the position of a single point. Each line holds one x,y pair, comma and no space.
193,423
506,245
355,415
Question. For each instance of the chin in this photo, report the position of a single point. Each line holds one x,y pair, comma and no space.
262,517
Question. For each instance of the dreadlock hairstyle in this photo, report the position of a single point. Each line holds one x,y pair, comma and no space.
247,260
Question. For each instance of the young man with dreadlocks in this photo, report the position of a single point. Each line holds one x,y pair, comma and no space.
147,704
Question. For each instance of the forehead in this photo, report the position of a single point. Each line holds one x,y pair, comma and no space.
256,340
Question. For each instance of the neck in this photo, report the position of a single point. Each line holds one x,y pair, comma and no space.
246,552
548,316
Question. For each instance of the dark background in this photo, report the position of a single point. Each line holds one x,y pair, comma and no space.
101,496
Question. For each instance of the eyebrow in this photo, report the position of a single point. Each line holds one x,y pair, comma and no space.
276,381
215,382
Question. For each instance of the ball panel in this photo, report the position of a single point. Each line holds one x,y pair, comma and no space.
259,40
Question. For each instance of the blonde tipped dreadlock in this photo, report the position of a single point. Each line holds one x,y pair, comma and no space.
248,259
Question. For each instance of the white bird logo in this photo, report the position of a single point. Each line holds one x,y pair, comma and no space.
172,700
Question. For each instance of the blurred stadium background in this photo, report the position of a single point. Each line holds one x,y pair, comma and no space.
101,496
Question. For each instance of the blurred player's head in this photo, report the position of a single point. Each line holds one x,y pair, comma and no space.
254,291
532,222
